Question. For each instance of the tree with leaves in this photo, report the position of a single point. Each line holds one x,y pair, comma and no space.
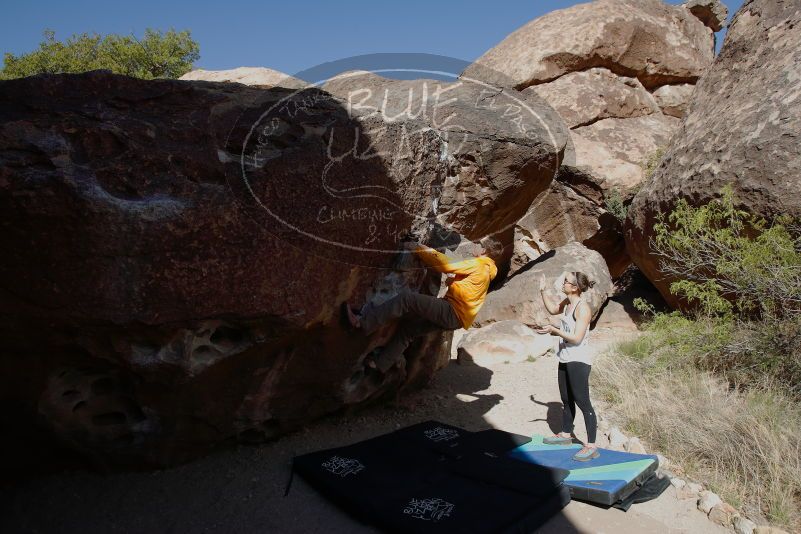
156,55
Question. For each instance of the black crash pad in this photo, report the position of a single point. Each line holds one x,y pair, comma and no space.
433,477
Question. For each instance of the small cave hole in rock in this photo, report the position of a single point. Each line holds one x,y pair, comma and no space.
356,378
103,386
125,439
251,435
226,335
203,350
110,418
135,413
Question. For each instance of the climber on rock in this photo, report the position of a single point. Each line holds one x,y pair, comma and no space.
468,283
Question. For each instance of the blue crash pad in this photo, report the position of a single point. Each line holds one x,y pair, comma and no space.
608,479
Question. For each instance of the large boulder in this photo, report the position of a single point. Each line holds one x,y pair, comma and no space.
502,342
712,13
519,298
177,251
674,99
742,130
620,73
488,181
570,210
650,40
582,98
253,76
630,141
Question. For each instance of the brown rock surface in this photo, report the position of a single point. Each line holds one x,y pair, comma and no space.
674,99
488,180
502,342
630,140
519,298
712,13
595,63
646,39
742,129
570,210
253,76
178,252
582,98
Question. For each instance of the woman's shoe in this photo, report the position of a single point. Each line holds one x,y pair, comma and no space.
586,454
557,440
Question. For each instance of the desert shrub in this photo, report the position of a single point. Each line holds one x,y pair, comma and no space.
744,445
717,388
157,55
615,204
651,162
726,260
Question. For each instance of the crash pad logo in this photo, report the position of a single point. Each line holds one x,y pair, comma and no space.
377,147
342,466
433,509
441,434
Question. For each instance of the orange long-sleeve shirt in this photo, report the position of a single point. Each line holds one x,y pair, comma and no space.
469,289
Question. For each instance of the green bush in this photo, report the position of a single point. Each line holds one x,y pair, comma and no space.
718,388
727,261
744,277
615,204
651,162
156,55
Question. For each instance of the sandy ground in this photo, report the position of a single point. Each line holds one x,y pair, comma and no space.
242,489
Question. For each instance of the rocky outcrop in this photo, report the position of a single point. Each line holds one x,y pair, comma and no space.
712,13
177,251
742,129
645,39
570,210
519,298
628,141
487,180
620,73
502,342
585,97
674,99
253,76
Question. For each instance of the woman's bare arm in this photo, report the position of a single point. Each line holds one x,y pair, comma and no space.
552,307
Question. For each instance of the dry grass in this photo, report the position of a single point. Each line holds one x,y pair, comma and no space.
746,446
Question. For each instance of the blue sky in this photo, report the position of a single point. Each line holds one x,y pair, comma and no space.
289,36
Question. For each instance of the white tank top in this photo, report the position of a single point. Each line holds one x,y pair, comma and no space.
573,352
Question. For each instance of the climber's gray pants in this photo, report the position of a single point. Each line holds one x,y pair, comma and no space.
418,314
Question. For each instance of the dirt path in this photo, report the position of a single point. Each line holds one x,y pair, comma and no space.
242,489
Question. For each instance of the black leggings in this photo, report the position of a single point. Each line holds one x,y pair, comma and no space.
574,388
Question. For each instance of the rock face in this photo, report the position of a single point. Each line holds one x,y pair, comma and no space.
645,39
177,251
569,211
254,76
584,97
477,163
742,129
502,342
519,298
712,13
620,73
674,99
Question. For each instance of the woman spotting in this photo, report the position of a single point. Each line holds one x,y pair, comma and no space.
575,361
